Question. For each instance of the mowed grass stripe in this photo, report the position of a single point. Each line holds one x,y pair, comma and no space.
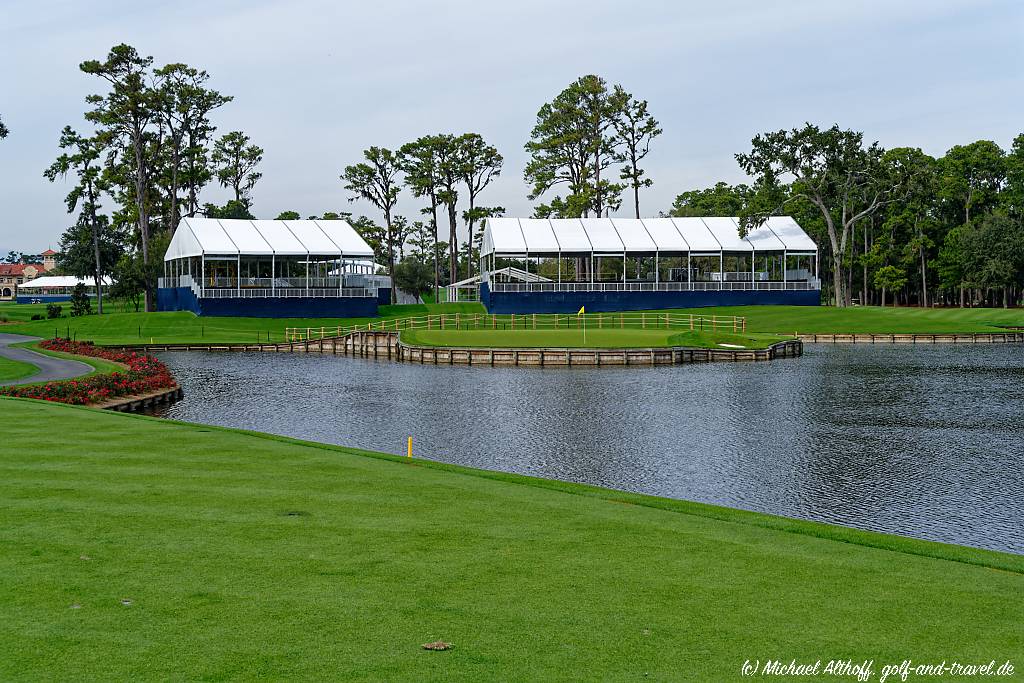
246,556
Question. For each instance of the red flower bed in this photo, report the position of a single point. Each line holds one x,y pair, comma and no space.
145,374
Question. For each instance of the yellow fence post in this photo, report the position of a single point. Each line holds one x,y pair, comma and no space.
408,448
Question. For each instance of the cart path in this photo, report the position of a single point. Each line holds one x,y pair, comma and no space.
50,368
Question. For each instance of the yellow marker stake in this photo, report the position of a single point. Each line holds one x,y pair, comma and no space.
409,449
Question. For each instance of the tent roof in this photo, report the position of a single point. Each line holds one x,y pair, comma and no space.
520,236
200,236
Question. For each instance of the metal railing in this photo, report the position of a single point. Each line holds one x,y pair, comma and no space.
286,293
260,288
532,321
696,286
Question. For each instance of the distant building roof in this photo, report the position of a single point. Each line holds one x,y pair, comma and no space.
49,252
8,269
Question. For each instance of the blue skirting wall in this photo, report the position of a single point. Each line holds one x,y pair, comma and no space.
43,298
184,299
597,302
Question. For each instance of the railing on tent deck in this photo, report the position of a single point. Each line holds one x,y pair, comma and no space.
260,288
530,321
696,286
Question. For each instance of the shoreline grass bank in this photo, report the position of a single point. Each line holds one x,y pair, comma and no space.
145,548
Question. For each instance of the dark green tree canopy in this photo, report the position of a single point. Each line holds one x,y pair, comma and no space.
833,170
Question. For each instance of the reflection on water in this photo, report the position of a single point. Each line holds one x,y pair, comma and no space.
920,441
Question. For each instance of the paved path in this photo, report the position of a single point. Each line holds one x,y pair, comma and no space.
49,367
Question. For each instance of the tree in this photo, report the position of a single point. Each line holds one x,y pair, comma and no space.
721,200
422,240
912,216
376,181
80,301
3,130
288,216
993,253
83,246
891,278
232,209
449,170
971,177
127,111
636,128
235,161
184,105
412,276
420,161
481,164
1013,196
572,142
833,170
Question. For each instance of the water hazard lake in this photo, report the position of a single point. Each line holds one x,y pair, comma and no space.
924,441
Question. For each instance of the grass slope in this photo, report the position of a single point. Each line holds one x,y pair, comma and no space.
144,549
15,369
596,338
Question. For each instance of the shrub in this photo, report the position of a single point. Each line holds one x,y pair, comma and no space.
37,316
80,304
53,310
145,374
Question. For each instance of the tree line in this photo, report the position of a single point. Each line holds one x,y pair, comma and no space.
897,223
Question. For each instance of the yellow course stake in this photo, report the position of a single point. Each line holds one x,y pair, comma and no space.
408,453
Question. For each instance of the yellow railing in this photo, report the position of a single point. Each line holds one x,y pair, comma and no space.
531,321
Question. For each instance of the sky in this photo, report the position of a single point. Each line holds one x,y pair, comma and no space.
317,82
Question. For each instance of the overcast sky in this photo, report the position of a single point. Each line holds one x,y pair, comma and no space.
317,82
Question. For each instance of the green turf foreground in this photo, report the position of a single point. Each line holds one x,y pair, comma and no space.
144,549
594,339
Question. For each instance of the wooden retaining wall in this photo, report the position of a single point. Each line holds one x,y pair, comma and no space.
970,338
377,344
131,404
590,357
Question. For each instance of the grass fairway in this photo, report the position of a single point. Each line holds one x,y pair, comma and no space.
596,338
15,369
144,549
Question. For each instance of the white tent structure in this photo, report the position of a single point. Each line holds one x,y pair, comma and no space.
469,289
220,258
650,254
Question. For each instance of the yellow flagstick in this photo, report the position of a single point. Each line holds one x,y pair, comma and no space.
579,313
409,449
